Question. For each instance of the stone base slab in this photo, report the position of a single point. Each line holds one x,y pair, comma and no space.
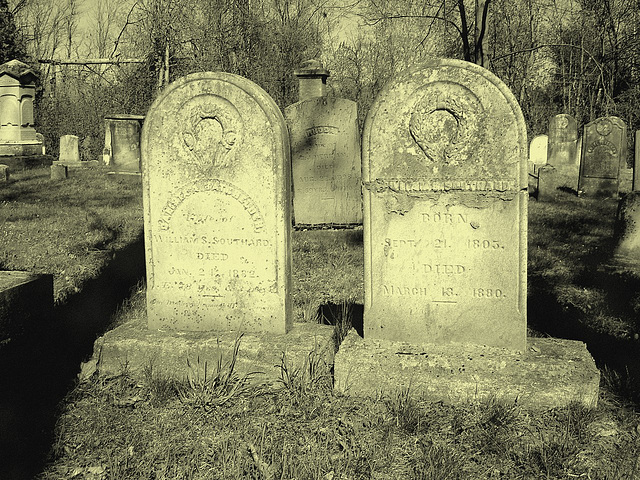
551,373
23,162
81,164
137,347
20,149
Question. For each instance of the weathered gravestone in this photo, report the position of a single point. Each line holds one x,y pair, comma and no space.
217,207
69,150
217,203
636,162
627,230
122,142
538,153
562,171
59,172
445,178
445,220
604,146
325,149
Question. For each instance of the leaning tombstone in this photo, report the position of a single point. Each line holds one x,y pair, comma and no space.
604,147
445,244
325,150
217,221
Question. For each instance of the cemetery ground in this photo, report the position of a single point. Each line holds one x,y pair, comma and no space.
219,426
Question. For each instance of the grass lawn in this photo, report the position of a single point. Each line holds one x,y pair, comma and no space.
69,228
158,428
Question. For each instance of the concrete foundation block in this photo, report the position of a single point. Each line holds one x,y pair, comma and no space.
550,373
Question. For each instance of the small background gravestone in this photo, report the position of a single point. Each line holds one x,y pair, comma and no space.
538,153
69,149
122,143
4,173
59,172
562,169
604,147
325,149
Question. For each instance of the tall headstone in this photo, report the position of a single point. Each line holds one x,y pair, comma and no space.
325,149
122,142
604,147
445,209
69,150
445,221
562,170
17,93
216,181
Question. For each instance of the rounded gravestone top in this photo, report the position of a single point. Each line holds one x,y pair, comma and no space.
124,117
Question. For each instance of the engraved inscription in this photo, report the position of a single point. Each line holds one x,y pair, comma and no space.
442,185
213,185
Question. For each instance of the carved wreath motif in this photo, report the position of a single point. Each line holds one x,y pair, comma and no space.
212,130
455,104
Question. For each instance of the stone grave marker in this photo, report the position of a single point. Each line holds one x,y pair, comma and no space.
445,243
69,149
122,140
562,170
216,182
325,150
4,173
445,209
636,162
604,146
538,153
59,172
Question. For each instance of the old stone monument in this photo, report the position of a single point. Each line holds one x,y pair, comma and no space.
604,147
217,219
122,143
563,154
636,162
59,172
18,138
69,150
325,149
538,153
216,195
445,244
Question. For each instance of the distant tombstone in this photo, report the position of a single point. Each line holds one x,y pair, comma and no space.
604,146
40,140
538,153
636,162
325,150
69,149
216,182
59,172
562,156
4,173
122,140
627,228
445,209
